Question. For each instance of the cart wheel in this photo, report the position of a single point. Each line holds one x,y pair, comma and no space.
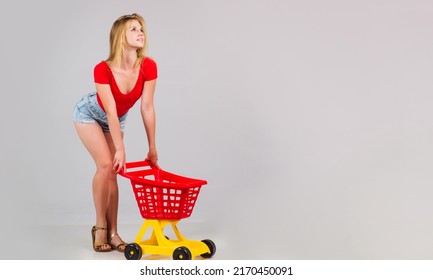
181,253
212,248
133,252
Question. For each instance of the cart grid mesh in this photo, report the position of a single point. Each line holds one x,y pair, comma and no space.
165,202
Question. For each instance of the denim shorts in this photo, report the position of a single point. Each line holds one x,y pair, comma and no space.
88,111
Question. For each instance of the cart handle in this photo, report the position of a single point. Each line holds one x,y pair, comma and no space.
138,164
142,163
157,172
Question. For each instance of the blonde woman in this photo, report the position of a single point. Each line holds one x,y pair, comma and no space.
121,80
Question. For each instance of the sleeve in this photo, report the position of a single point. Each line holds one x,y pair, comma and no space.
101,74
150,69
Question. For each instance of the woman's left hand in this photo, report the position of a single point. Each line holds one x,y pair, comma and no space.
152,156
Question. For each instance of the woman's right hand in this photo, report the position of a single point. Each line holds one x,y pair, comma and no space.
119,160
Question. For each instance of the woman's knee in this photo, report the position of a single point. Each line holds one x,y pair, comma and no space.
105,168
112,176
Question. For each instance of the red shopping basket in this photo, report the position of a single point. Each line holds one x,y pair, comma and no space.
160,194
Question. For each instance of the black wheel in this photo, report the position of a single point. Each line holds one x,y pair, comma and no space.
181,253
133,252
212,248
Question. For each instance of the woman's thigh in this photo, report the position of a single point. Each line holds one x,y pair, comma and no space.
95,142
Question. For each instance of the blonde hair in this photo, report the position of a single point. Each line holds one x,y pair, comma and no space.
118,39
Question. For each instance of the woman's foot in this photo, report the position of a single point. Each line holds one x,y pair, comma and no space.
99,239
117,243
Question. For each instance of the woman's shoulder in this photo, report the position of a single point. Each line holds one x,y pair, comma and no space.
149,68
101,73
148,62
102,65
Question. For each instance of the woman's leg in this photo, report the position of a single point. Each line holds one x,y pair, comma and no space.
113,199
94,140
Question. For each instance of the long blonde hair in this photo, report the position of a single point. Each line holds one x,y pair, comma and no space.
118,39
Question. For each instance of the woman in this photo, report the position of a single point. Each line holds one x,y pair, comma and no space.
126,76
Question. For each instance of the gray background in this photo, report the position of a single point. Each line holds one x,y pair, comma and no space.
311,121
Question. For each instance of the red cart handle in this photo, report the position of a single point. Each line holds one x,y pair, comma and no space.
138,170
137,164
142,163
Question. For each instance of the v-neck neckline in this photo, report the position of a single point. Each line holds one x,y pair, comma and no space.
115,82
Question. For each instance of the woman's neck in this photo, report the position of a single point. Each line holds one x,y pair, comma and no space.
128,60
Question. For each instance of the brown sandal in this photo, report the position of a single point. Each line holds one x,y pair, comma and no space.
97,246
119,246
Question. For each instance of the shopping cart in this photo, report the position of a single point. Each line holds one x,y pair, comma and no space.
164,199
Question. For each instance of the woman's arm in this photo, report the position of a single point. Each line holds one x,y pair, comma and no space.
149,119
109,103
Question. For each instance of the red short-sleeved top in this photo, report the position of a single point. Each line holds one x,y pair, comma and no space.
124,102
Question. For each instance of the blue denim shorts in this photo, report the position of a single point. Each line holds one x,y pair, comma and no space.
88,111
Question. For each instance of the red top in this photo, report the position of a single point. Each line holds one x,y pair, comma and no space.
124,102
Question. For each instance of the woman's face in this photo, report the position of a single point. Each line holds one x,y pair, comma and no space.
134,34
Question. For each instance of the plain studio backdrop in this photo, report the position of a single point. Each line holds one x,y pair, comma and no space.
311,120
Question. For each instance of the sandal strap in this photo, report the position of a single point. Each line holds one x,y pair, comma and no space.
100,244
99,228
118,245
113,235
121,244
